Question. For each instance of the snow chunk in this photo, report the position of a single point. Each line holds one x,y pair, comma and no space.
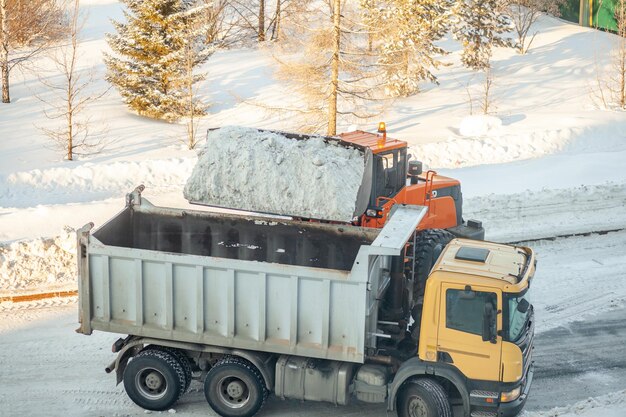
480,125
248,169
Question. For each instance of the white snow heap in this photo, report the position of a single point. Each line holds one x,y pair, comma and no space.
248,169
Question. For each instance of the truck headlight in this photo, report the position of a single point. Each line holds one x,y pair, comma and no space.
513,395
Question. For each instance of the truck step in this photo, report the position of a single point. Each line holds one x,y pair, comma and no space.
484,414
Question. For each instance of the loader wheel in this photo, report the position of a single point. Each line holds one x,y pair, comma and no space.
429,245
423,398
235,388
154,380
180,356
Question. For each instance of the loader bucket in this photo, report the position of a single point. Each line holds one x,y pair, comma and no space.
271,172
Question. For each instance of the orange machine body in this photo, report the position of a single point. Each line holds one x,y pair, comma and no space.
442,195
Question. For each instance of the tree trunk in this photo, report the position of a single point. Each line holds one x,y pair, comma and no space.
261,20
332,100
4,51
276,33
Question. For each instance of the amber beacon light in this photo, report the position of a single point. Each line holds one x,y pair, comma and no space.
382,134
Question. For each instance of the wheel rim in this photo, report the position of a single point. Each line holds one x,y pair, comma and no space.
417,407
151,383
233,392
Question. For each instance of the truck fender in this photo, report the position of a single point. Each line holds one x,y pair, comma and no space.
416,367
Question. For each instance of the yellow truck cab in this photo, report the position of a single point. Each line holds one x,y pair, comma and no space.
477,328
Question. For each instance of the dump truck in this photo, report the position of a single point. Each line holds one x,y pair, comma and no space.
253,306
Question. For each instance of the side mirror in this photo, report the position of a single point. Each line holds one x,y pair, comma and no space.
523,306
489,324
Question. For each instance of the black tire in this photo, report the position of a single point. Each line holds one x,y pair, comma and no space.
235,388
423,398
154,380
429,245
181,357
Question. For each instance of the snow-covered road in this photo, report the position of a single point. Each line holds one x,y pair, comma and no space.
48,370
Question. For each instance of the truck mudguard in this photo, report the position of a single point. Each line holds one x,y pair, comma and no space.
417,367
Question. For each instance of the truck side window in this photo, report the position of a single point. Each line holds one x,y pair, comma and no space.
464,310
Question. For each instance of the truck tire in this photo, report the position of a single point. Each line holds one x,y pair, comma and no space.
423,398
235,388
154,380
181,357
428,246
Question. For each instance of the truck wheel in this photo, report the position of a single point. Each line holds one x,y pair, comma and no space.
235,388
428,246
154,380
423,398
181,357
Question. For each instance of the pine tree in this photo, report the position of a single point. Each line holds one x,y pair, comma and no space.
407,31
479,25
149,67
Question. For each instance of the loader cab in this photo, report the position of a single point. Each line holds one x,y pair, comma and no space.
389,176
390,161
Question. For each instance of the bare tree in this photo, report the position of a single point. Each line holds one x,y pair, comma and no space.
324,59
525,13
193,55
481,96
26,28
71,96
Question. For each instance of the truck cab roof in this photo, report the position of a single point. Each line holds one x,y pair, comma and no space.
508,267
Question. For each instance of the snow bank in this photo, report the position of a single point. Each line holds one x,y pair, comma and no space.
549,212
246,169
479,125
491,149
610,405
89,181
36,264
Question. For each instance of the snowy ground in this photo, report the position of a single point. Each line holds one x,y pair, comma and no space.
552,163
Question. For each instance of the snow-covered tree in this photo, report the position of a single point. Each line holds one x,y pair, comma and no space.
407,31
149,64
480,25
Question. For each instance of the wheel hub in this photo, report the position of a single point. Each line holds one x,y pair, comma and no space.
233,392
151,383
417,407
235,389
154,381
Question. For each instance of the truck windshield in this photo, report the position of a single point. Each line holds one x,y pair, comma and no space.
517,319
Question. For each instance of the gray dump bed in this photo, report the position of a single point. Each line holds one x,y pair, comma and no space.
254,283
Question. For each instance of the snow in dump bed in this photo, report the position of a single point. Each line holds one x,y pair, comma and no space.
247,169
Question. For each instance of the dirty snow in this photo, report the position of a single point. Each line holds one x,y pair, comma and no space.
610,405
244,168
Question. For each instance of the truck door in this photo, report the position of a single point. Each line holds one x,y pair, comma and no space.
460,331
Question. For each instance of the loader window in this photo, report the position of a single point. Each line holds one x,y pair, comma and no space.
390,175
464,310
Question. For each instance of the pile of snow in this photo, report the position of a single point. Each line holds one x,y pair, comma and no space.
38,263
479,125
88,181
248,169
610,405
